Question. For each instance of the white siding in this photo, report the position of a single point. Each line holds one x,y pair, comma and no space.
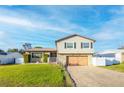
118,57
19,61
61,47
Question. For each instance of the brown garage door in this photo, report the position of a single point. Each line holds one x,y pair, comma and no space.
78,60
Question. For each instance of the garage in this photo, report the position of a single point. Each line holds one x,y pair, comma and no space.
78,60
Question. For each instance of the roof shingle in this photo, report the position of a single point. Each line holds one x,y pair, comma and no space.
72,36
41,50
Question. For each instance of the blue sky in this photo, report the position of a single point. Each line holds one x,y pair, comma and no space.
42,25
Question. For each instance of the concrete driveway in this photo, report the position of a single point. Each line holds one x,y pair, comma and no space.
89,76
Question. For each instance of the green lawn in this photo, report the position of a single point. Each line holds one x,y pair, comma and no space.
31,75
118,67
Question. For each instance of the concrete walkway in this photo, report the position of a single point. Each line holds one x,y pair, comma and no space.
89,76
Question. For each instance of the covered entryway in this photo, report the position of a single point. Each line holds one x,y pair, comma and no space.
78,60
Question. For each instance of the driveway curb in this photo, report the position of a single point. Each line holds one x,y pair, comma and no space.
74,83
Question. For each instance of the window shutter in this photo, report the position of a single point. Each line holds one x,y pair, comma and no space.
65,44
81,45
91,45
74,44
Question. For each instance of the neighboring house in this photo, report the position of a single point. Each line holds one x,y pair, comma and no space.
11,58
117,55
75,50
121,54
70,50
36,54
108,57
106,53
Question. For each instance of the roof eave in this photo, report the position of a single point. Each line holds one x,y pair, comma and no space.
72,36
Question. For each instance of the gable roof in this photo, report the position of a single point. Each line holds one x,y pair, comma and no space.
121,47
112,51
73,36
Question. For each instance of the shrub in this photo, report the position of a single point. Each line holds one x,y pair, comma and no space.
26,58
45,58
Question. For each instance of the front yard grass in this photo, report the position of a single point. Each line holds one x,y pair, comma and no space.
32,75
118,67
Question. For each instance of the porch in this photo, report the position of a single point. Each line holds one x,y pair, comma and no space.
42,55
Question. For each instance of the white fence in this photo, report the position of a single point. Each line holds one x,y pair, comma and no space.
19,61
104,61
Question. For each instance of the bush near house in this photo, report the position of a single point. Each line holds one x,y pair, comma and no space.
45,58
26,58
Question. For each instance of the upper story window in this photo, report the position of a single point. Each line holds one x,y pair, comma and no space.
85,45
70,45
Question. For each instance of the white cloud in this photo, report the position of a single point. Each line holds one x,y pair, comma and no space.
21,22
16,21
65,27
2,35
117,11
108,34
111,30
32,21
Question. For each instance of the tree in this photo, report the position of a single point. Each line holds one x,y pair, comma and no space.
13,50
27,46
2,50
26,58
21,51
38,47
45,58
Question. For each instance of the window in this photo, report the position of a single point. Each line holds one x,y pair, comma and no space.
53,54
84,45
69,45
36,55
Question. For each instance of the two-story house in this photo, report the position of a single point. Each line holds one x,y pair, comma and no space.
75,50
70,50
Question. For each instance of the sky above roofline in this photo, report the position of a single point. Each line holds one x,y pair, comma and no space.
42,25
